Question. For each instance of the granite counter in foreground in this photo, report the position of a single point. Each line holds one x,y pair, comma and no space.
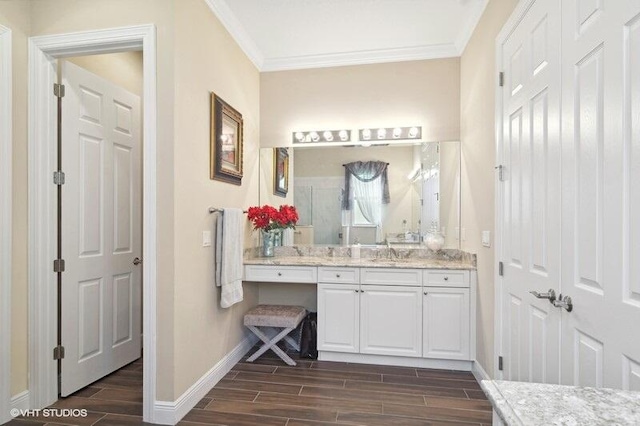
370,257
537,404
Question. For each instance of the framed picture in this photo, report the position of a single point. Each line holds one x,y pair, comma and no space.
281,171
226,142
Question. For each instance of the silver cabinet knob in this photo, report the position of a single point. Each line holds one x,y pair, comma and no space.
337,275
137,261
551,295
279,274
446,278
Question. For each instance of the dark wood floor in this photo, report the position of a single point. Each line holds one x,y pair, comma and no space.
268,392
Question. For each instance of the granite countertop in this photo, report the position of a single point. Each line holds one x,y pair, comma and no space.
360,262
519,403
365,256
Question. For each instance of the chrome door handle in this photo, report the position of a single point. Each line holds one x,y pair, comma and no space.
137,261
551,295
564,302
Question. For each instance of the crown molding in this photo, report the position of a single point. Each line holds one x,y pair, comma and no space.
237,31
468,30
362,57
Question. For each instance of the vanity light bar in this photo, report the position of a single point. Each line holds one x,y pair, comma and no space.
314,136
390,133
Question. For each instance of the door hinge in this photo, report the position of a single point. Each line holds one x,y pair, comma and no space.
500,169
58,353
501,269
501,79
500,363
58,265
58,177
58,90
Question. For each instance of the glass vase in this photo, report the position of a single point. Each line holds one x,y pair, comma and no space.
268,242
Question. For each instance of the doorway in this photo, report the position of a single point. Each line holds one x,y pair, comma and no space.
44,52
99,217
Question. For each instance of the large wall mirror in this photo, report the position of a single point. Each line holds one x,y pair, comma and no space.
423,193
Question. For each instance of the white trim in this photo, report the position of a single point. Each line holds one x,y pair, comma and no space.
43,52
468,30
479,372
6,161
399,361
237,31
518,14
170,413
20,401
364,57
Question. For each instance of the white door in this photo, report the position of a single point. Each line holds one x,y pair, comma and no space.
338,317
445,323
101,228
391,320
530,196
601,195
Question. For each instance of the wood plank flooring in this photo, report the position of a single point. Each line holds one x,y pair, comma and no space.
313,393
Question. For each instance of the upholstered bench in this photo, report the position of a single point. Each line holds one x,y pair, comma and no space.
282,317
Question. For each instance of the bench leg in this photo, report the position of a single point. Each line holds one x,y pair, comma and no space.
271,344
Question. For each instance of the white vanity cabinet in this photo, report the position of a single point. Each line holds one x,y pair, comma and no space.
446,323
390,320
339,317
395,316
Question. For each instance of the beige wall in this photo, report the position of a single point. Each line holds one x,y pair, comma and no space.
477,102
207,59
423,93
15,16
123,69
187,302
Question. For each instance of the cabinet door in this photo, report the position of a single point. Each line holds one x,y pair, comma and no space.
446,323
391,320
338,317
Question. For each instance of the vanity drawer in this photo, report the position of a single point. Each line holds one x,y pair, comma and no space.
281,274
391,276
338,275
446,278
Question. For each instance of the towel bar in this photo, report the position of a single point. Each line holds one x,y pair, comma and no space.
215,210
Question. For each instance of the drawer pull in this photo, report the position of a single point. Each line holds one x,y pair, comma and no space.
279,274
337,275
446,278
356,291
425,293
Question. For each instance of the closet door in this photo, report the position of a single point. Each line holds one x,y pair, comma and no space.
601,192
529,151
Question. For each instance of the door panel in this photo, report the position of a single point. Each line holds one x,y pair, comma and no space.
101,228
601,79
446,323
338,317
530,154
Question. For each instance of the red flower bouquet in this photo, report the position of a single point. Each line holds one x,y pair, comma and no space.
268,218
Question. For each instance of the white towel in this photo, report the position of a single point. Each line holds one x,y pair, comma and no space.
229,241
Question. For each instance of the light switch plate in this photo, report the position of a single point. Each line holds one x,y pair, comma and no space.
206,238
486,238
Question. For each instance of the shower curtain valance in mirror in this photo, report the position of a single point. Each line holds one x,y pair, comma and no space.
365,171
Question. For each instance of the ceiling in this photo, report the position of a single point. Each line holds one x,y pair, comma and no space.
294,34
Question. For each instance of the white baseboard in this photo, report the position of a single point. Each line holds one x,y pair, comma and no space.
398,361
20,401
171,412
479,372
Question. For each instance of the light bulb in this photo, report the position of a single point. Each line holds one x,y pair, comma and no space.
314,136
344,135
366,134
328,136
397,132
382,133
413,132
299,136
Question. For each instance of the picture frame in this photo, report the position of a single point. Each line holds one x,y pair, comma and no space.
226,146
280,171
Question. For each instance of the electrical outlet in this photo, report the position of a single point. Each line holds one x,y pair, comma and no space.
206,238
